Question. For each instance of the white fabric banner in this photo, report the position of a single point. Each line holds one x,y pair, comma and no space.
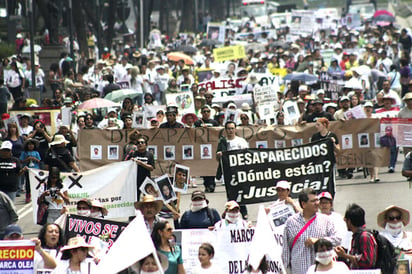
232,249
113,184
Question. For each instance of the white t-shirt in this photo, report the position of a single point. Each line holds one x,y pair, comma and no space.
211,270
55,202
338,268
237,143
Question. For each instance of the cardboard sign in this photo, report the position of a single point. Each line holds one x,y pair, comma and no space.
229,53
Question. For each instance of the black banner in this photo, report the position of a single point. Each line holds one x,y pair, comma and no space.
251,174
87,227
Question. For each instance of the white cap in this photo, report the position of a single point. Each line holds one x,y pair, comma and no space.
325,195
368,104
6,145
320,91
111,109
283,184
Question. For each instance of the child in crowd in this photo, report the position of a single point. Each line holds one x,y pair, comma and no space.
29,157
206,253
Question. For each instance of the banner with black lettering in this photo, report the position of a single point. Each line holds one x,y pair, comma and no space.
232,248
88,227
16,256
251,174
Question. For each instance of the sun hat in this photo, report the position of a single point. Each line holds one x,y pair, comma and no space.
147,199
58,139
381,219
75,242
283,185
97,203
189,114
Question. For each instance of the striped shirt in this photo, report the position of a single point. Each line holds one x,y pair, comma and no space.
300,258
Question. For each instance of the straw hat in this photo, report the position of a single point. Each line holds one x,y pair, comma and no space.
382,220
97,203
75,242
59,139
149,199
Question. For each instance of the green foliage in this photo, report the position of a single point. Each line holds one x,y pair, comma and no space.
6,50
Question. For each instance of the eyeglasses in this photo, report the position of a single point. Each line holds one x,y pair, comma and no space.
169,229
206,111
141,143
392,218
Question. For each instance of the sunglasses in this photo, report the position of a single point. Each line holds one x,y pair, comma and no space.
244,118
206,111
141,143
208,97
392,218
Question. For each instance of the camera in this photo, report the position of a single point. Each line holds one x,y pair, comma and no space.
53,192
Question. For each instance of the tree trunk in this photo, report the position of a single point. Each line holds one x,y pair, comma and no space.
217,10
110,22
79,25
187,18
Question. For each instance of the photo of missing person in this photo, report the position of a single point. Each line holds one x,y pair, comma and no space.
95,152
153,150
166,189
377,139
363,140
262,144
206,151
149,187
169,153
297,142
187,152
402,267
113,152
347,142
280,143
181,178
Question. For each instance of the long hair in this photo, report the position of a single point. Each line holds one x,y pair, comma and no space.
156,238
42,234
55,171
12,125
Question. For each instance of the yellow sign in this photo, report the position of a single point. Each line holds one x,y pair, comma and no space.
229,53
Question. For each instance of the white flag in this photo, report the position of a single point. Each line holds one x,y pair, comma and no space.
264,243
132,245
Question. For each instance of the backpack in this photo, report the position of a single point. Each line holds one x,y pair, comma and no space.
386,254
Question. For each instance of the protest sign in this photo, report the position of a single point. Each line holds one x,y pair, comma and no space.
123,84
278,214
88,227
204,74
190,140
401,129
114,185
251,174
303,22
229,53
16,256
50,117
232,248
183,100
216,31
222,86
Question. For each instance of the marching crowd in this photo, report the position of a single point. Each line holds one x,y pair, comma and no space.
372,63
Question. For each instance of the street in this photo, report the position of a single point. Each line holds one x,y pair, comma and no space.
373,197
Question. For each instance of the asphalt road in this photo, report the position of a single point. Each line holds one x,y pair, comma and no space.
373,197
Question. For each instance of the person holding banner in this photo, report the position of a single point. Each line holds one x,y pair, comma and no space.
200,214
162,232
322,126
51,240
283,191
232,218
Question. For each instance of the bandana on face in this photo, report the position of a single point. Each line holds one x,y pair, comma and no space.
198,205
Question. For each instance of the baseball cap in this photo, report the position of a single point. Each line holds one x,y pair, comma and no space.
325,195
231,205
198,194
6,145
368,104
343,98
283,185
13,229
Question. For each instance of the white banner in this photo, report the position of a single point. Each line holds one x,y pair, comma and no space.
232,249
113,184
